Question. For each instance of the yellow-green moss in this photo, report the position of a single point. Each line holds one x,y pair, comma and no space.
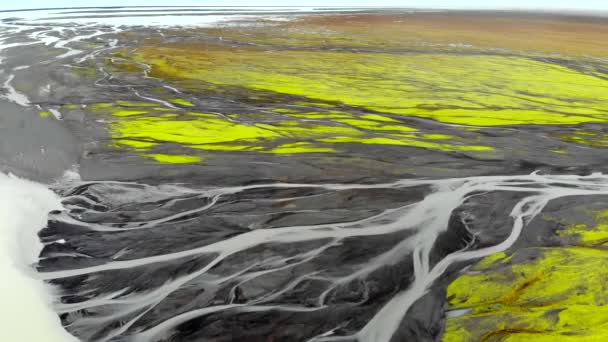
174,159
131,104
476,90
588,138
141,126
589,234
557,295
129,112
411,140
301,147
182,102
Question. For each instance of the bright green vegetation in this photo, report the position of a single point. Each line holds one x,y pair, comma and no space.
143,127
588,138
476,90
308,100
383,90
312,101
174,159
559,295
591,233
538,294
182,102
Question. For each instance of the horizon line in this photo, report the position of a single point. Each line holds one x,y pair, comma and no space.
555,10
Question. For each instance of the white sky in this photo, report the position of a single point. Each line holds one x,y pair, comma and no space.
485,4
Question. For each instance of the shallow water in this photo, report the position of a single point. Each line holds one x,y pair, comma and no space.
286,175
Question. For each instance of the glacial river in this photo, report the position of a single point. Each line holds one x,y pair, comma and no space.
302,174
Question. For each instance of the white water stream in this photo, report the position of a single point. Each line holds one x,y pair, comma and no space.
426,219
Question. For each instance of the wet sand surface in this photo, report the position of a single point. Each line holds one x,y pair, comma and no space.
353,176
